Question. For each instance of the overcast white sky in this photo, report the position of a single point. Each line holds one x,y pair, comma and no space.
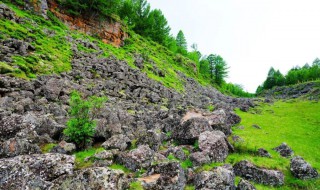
251,35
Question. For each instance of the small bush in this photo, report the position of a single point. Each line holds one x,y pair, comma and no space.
81,125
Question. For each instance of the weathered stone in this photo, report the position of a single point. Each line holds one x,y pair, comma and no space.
284,150
6,12
302,169
104,155
33,171
92,178
120,142
167,176
189,131
11,125
249,171
199,158
177,152
220,178
245,185
52,89
213,143
151,138
68,147
14,147
141,157
263,153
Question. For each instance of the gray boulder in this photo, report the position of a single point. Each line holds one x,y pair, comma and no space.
33,171
263,153
135,159
168,175
116,142
199,158
302,169
64,148
189,131
151,138
6,12
51,90
177,152
213,143
11,125
284,150
15,146
92,178
249,171
245,185
221,178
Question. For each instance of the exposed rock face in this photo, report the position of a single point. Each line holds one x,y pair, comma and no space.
284,150
171,176
138,158
109,30
92,178
213,143
249,171
117,142
219,178
33,171
245,185
302,169
189,131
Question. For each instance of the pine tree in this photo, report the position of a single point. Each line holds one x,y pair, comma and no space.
181,43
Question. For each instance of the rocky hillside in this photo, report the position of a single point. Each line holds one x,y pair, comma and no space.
308,90
159,125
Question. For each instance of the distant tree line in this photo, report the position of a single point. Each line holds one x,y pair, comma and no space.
152,24
294,76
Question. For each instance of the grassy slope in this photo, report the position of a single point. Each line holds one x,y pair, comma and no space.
53,53
294,122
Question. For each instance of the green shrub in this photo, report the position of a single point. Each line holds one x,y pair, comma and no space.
81,125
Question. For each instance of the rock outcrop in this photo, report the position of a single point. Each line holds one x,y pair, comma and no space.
284,150
249,171
138,158
92,178
189,131
34,171
219,178
213,144
245,185
302,169
164,176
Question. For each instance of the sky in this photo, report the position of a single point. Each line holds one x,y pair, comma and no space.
251,35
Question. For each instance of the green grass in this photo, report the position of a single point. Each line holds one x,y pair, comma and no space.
82,155
136,185
189,187
120,167
295,122
52,52
47,147
186,164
